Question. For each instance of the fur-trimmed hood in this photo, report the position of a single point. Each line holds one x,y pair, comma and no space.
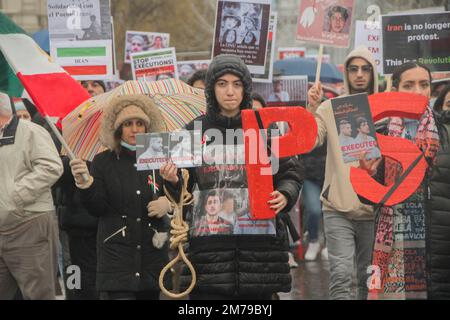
116,105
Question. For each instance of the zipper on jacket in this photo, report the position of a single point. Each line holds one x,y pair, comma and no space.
115,233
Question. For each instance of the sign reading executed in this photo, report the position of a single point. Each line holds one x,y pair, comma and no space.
424,38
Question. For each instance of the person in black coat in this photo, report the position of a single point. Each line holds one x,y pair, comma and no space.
132,231
254,263
438,208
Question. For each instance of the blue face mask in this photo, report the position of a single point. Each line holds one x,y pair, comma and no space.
128,146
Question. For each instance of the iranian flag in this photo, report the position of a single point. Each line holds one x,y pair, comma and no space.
54,92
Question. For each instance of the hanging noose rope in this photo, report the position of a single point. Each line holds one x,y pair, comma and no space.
179,236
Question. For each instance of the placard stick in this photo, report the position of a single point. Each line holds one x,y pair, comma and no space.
319,64
388,82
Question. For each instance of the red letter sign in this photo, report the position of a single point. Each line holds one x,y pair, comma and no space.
398,104
299,139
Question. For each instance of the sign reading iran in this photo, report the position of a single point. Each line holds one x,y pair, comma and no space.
84,60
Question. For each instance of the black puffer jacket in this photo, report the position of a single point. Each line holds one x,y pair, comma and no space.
119,197
438,221
240,265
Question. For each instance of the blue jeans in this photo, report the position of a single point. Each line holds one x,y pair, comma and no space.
313,207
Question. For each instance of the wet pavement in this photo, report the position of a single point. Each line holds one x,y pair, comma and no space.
309,281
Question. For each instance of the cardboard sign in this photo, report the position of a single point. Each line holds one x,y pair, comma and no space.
85,60
298,140
397,104
154,65
268,70
242,28
138,41
326,22
187,68
355,127
81,36
424,38
284,91
284,53
369,34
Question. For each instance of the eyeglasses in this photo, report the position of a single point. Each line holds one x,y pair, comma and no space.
364,69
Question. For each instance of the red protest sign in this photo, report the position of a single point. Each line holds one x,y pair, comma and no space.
298,140
396,104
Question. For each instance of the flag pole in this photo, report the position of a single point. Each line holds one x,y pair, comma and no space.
63,142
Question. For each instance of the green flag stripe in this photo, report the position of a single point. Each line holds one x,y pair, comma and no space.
81,52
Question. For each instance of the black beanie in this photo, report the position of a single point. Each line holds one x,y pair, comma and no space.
223,64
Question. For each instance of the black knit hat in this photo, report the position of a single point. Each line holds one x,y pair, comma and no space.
223,64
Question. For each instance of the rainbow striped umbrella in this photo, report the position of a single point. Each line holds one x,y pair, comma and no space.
178,102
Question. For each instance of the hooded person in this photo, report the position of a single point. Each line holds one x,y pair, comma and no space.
349,224
234,266
131,242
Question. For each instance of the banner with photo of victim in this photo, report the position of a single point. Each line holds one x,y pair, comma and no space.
326,22
268,73
242,28
187,68
424,38
80,34
154,65
183,147
137,41
284,91
355,127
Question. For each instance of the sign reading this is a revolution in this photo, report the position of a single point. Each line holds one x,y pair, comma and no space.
154,65
424,38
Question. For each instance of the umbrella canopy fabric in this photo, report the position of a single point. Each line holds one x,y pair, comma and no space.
302,66
178,103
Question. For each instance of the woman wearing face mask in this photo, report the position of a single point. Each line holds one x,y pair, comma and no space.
399,250
131,242
438,208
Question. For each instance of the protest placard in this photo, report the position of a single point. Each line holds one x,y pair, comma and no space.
84,60
137,41
70,20
81,37
268,73
154,65
368,34
187,68
242,28
183,147
424,38
284,91
326,22
355,127
291,52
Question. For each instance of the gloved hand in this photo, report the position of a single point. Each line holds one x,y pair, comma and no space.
160,207
80,171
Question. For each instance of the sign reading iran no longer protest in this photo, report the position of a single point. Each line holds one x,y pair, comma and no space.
423,38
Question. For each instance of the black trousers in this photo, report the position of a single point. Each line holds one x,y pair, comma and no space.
83,253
